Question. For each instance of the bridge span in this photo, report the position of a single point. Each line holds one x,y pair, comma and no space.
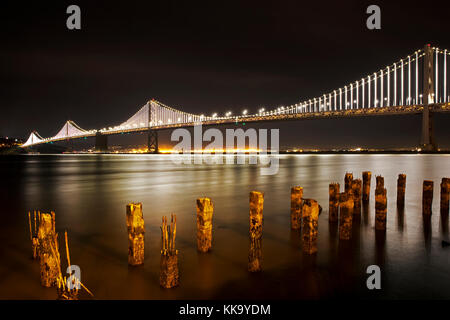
416,84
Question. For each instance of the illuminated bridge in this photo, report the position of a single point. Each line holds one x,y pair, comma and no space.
416,84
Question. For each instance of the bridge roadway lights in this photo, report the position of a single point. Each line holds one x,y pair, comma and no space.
101,142
152,141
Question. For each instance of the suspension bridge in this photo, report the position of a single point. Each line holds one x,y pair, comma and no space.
416,84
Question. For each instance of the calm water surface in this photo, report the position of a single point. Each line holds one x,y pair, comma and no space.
89,194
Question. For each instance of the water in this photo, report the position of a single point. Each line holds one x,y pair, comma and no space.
89,194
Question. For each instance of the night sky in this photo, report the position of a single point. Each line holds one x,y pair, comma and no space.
206,57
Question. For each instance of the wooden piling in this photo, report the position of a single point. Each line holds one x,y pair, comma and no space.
136,231
205,210
169,275
367,177
256,214
348,181
255,255
356,192
380,208
296,207
445,191
310,216
346,206
379,182
333,202
33,236
48,250
401,187
427,197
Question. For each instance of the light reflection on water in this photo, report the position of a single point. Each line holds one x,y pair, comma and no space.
89,194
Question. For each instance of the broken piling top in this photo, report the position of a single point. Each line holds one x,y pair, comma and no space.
310,209
367,177
168,235
445,194
401,181
45,225
205,210
401,187
446,181
256,213
348,181
297,190
135,218
380,182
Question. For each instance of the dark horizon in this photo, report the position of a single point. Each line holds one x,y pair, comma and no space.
205,58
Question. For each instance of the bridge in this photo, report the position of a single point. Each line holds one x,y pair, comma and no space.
416,84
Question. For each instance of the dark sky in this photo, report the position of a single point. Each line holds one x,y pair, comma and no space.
203,57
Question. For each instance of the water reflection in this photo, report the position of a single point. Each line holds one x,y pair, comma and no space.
89,194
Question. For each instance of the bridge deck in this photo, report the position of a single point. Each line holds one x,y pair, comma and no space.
380,111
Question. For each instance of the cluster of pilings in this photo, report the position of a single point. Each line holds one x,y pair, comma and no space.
305,217
343,207
45,248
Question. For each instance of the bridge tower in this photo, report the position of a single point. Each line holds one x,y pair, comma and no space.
428,99
101,142
152,141
152,135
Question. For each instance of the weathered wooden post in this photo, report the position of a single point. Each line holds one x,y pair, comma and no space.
256,214
136,231
356,192
380,182
445,191
255,255
205,210
48,250
34,236
310,216
256,220
367,177
348,181
427,197
401,187
345,216
296,207
380,204
333,202
169,276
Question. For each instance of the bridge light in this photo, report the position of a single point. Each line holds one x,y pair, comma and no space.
244,112
214,115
